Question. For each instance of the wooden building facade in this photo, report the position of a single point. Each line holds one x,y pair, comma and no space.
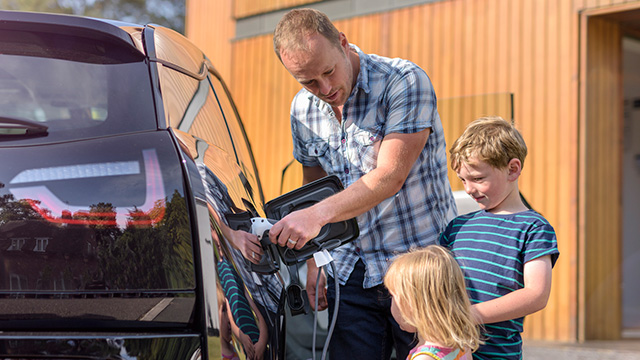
553,66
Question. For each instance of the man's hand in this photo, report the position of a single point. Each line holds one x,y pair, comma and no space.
296,229
312,277
299,226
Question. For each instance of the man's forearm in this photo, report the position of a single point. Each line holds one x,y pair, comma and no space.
360,197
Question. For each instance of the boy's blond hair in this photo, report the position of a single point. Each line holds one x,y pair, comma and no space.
297,24
490,139
429,288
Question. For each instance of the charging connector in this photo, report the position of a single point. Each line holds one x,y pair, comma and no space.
296,298
269,262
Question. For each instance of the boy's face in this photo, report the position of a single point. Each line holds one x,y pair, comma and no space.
492,188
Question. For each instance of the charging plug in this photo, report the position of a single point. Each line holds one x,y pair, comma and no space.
269,261
296,298
259,226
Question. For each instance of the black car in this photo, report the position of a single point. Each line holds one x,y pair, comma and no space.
125,180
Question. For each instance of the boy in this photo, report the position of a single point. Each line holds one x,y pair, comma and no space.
506,250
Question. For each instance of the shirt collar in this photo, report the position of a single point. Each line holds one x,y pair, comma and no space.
363,75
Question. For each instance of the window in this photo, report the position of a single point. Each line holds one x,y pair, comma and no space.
16,244
191,106
71,87
208,122
41,244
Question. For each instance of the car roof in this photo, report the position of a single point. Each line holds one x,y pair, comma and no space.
102,29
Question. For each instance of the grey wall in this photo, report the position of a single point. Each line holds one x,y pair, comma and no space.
335,9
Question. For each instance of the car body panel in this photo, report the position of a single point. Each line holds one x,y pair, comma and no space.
123,159
107,346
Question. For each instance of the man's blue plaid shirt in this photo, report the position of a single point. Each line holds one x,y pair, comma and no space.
390,96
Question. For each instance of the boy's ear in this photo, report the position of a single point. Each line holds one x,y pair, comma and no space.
514,167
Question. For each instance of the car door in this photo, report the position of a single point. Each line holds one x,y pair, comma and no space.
250,298
243,303
272,282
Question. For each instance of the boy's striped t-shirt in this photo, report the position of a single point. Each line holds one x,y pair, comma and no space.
492,250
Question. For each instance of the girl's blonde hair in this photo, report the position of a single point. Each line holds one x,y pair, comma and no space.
429,289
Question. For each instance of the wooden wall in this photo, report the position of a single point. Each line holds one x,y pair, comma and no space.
465,60
211,26
471,48
468,48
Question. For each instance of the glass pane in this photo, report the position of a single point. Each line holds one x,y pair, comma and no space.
75,91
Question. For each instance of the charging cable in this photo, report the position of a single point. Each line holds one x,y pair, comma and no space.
322,258
259,227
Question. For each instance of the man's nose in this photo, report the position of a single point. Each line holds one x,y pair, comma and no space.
324,87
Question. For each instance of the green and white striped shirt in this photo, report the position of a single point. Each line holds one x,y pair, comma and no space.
492,250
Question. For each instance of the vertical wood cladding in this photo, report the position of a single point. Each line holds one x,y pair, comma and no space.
468,48
487,49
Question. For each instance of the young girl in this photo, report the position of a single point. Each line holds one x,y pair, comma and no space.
429,298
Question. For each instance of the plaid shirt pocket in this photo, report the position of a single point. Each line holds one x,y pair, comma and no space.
366,145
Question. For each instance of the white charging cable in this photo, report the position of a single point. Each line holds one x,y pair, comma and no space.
322,258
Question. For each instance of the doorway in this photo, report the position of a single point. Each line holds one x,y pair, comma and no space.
631,189
609,174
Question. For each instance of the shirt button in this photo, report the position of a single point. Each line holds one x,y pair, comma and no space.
344,141
357,249
346,171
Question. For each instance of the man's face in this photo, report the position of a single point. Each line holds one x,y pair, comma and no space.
325,70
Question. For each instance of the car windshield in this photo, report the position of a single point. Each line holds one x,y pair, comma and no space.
75,87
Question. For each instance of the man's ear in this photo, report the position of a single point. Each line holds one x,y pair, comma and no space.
514,167
344,43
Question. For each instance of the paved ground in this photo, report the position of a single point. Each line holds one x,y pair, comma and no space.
592,350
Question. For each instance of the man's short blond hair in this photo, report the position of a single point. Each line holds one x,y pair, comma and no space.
297,24
490,139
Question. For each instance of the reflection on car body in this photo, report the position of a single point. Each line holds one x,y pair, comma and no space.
123,159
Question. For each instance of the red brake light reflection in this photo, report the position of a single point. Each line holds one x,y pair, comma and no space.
54,210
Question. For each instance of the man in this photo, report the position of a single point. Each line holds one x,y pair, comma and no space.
372,121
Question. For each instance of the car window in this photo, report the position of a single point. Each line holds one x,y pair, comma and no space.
173,48
242,147
112,217
72,87
191,107
209,122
